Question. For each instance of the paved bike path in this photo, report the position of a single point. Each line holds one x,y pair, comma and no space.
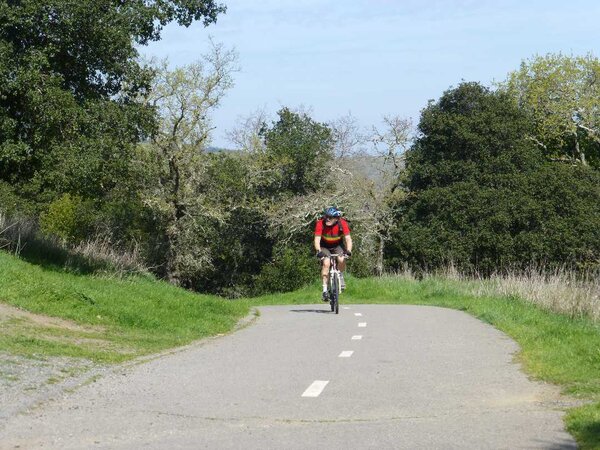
420,377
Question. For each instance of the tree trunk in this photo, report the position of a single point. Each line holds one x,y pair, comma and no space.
379,266
171,274
580,155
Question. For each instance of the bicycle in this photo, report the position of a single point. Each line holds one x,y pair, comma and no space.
333,284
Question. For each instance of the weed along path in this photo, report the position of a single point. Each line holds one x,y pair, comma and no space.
372,377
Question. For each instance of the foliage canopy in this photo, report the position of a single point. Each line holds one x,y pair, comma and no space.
480,195
562,95
69,84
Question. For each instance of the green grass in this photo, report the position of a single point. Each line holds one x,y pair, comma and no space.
123,319
120,318
584,424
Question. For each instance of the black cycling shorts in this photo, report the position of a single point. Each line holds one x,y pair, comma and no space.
328,251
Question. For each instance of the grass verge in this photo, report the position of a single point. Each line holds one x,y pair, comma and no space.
554,347
106,320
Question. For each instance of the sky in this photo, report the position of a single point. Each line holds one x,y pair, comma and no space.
377,57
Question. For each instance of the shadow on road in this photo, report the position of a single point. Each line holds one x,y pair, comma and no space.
563,444
318,311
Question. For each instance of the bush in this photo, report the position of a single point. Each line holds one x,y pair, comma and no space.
549,217
361,264
69,218
291,270
12,204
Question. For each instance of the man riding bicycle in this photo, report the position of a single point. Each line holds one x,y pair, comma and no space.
332,236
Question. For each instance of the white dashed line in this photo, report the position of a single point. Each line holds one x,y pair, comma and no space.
345,307
357,337
346,354
358,314
315,389
362,324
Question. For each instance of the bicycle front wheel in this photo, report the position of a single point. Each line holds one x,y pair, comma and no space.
335,293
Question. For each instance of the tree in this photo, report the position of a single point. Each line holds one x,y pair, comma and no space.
184,99
470,134
479,193
361,182
390,146
300,148
287,165
349,141
69,84
90,45
370,183
547,217
247,134
562,94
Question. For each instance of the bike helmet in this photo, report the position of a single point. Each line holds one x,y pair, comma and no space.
332,211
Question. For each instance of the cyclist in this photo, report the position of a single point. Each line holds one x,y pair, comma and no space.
332,236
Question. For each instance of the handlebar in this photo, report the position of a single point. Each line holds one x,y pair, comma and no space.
334,255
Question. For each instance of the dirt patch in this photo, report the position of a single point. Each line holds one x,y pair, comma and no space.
8,312
17,324
26,381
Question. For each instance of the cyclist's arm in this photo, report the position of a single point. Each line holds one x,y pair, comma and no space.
317,243
348,242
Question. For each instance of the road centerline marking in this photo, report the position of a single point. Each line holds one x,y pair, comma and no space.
362,324
346,354
357,337
315,389
358,314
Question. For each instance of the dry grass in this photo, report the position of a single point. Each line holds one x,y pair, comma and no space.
102,250
98,254
15,233
562,291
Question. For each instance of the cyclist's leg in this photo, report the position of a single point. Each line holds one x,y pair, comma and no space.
325,263
340,259
341,264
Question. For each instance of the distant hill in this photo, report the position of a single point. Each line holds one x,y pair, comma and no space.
213,149
367,165
371,167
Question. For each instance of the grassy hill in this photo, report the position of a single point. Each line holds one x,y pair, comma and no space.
106,320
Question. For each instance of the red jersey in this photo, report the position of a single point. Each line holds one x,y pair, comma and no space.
331,236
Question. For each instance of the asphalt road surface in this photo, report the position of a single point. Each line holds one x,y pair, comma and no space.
300,378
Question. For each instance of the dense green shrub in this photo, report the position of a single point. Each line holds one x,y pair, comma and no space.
12,204
361,264
481,196
290,270
239,249
68,218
